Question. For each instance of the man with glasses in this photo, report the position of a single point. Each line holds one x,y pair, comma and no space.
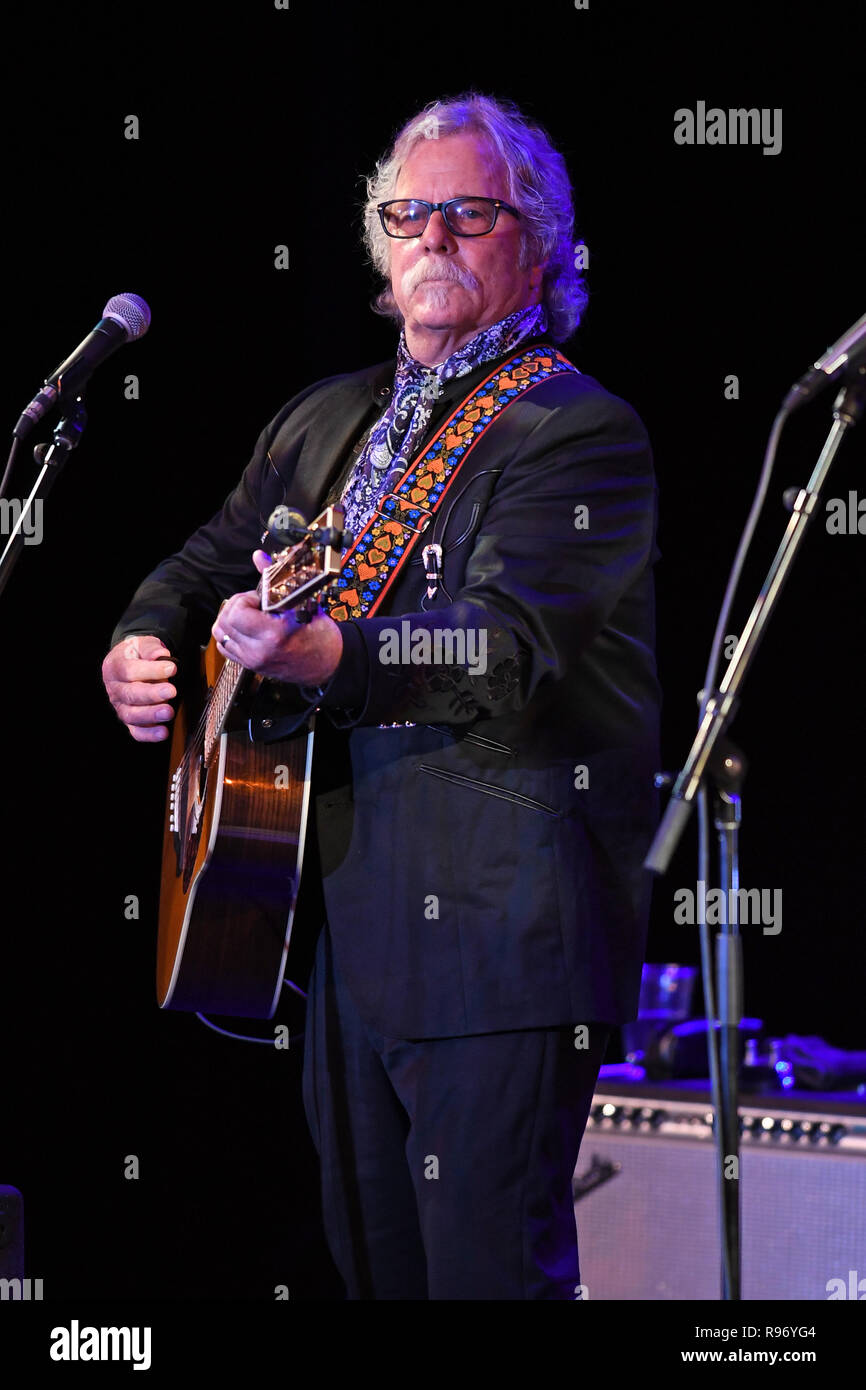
479,825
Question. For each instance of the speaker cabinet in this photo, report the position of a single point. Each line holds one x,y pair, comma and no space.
647,1208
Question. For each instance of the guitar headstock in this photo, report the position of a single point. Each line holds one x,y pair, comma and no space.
298,572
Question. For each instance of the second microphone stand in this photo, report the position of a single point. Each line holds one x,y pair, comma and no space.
717,712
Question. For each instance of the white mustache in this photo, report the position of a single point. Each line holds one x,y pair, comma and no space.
458,275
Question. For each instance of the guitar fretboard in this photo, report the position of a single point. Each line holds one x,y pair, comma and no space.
222,698
293,578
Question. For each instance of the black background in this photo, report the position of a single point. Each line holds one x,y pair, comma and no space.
703,262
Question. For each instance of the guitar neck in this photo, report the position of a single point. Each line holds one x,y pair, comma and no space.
225,691
291,581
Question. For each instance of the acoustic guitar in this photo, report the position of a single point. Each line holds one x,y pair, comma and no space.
236,817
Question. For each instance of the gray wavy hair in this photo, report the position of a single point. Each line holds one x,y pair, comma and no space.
537,183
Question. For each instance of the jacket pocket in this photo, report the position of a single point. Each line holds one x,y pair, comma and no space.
502,792
478,740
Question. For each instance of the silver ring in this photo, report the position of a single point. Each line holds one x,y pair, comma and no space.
224,641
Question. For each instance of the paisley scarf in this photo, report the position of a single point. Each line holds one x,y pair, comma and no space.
396,436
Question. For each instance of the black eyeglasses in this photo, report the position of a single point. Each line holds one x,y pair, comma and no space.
408,217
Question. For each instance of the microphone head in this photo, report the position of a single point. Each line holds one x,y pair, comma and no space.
131,312
286,526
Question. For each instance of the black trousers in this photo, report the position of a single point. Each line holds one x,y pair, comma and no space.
446,1163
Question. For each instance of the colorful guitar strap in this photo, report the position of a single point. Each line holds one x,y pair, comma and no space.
380,552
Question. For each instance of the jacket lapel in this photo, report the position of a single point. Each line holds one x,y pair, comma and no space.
351,407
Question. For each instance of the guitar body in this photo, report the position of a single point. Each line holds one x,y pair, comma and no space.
231,864
236,813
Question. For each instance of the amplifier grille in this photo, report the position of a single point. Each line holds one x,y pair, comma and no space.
647,1208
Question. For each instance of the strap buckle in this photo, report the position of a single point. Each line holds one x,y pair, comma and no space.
431,557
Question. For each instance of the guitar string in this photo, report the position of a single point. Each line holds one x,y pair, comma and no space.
200,731
198,740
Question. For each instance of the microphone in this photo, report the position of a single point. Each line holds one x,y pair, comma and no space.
124,318
286,526
847,349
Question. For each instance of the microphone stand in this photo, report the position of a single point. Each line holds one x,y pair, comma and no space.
717,712
51,457
722,703
727,772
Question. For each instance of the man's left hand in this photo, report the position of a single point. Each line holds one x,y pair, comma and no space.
276,645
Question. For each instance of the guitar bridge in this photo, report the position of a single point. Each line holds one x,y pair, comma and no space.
185,811
173,815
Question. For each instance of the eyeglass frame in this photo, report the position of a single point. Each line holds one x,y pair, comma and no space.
440,207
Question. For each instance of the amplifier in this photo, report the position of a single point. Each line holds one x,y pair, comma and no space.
647,1207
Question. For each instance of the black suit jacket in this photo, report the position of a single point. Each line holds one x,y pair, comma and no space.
481,863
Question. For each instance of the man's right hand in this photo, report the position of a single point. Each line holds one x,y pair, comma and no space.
136,676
